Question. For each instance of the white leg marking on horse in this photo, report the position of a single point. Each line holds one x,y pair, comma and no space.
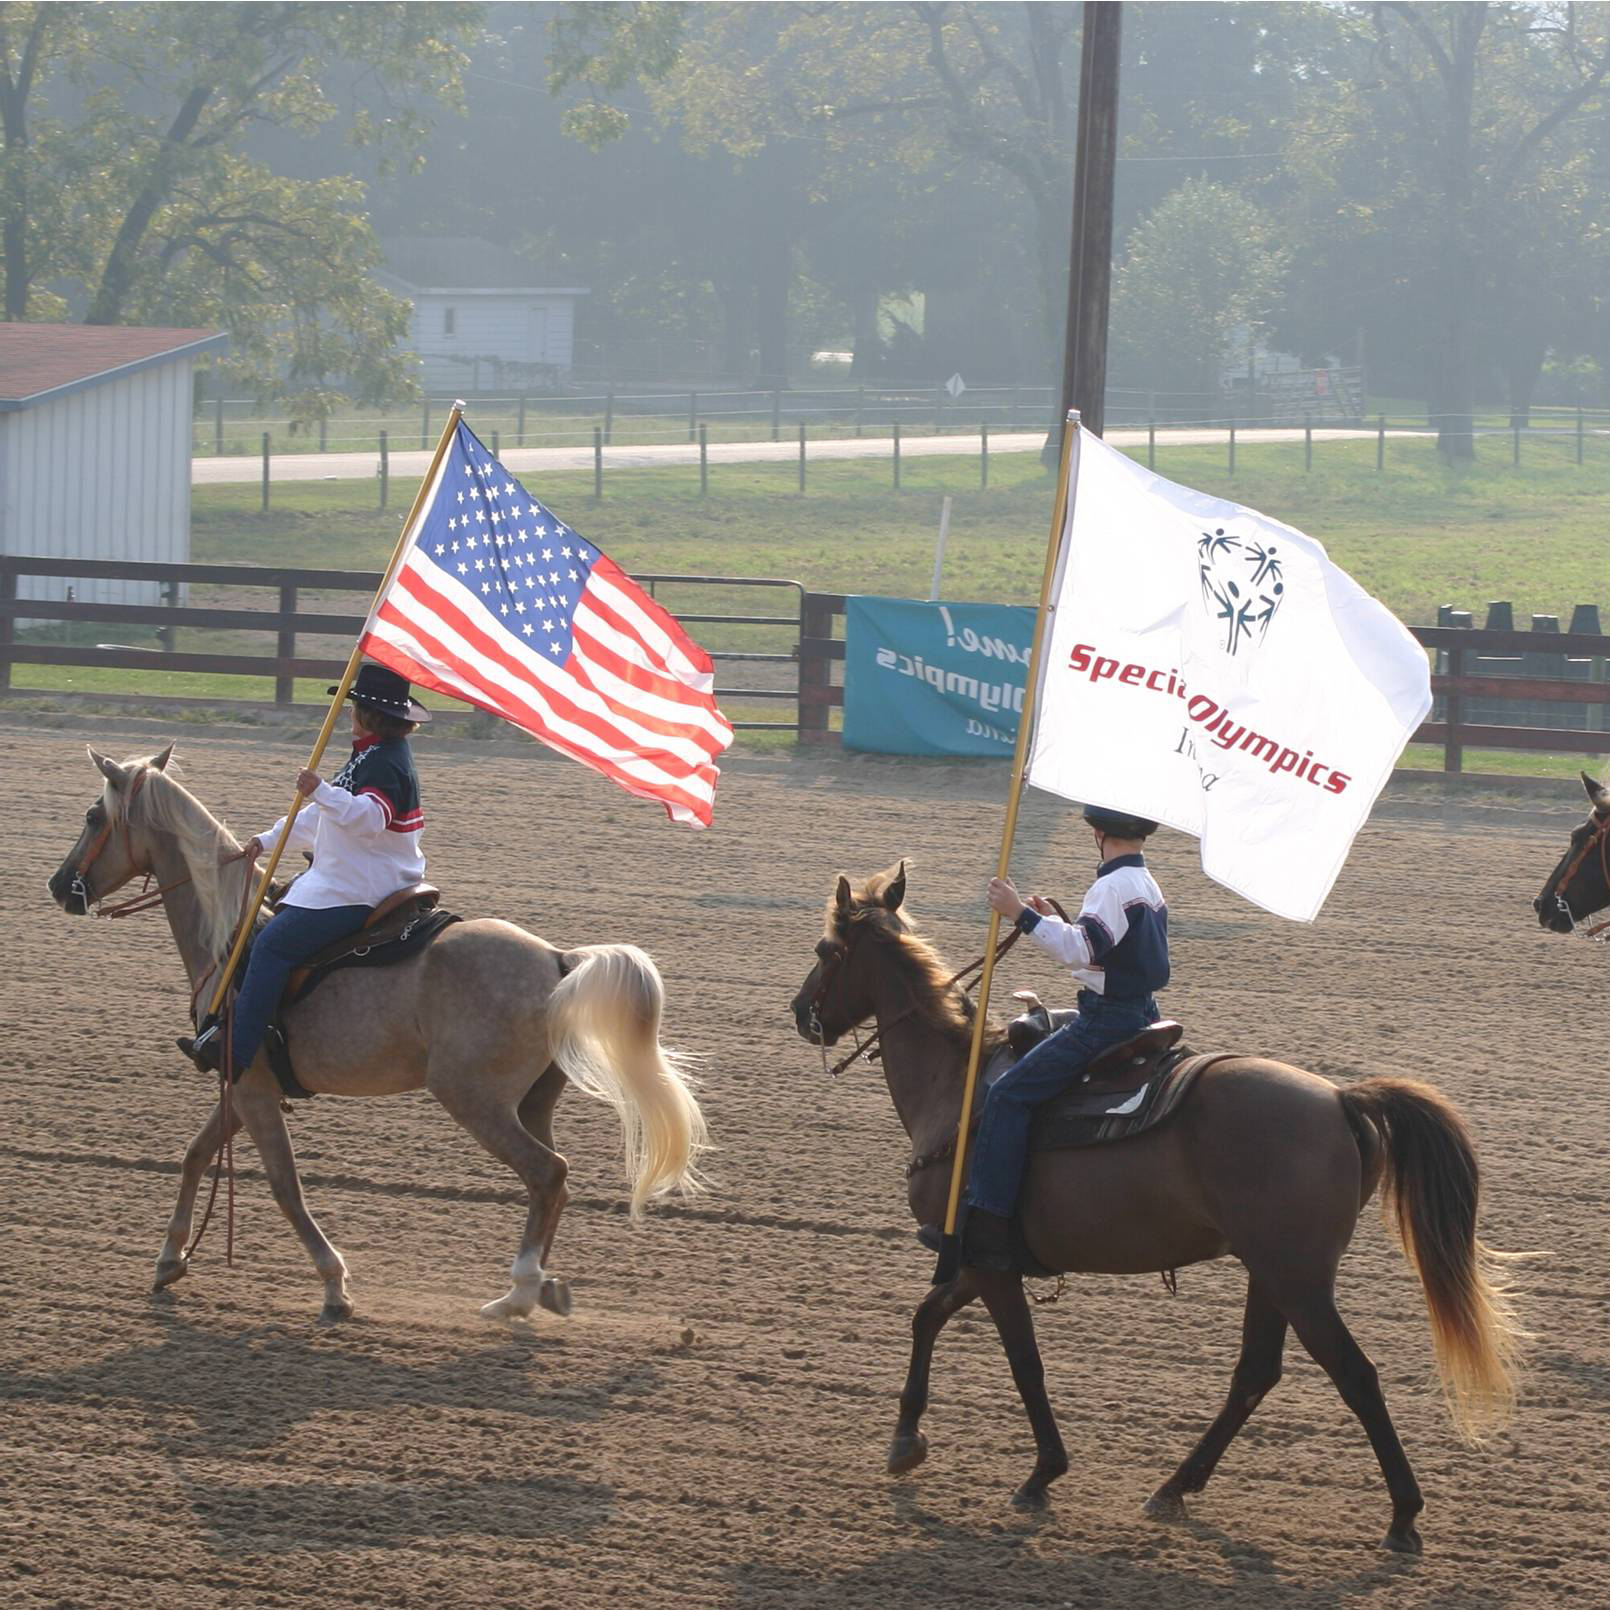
523,1295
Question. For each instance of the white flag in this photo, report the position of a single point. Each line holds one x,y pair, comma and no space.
1209,667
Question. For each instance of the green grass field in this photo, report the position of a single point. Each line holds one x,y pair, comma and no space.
1417,535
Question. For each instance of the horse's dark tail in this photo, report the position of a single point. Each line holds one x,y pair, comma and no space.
1431,1186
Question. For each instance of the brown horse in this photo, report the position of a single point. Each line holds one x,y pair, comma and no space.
1579,885
493,1021
1263,1162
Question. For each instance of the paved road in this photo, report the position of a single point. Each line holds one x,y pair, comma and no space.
409,466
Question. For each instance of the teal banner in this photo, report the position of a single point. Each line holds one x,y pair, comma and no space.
934,679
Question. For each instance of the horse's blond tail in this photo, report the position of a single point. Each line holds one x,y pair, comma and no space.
1431,1188
605,1022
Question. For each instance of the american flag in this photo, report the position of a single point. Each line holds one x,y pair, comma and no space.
500,604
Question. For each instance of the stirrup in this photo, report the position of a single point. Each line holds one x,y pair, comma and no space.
206,1049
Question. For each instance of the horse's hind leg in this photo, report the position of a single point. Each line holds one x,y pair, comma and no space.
536,1118
1322,1331
258,1099
909,1447
1263,1339
1009,1308
173,1262
541,1170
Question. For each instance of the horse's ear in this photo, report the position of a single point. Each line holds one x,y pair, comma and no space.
895,890
160,762
109,769
1598,793
841,896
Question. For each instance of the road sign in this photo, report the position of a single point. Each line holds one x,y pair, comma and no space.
955,386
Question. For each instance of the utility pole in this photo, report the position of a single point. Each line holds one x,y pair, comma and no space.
1084,359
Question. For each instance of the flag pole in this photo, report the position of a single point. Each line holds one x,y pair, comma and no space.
949,1264
455,413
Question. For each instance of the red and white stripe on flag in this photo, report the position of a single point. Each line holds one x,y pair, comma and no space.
631,696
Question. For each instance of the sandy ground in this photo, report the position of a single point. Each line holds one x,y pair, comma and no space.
709,1427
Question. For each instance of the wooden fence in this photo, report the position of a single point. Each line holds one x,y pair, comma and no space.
1458,652
287,621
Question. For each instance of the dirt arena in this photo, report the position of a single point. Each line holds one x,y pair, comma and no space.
709,1427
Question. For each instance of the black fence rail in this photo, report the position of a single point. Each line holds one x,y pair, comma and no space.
778,682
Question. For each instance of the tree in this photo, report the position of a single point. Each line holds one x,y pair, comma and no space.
157,206
1451,183
1200,271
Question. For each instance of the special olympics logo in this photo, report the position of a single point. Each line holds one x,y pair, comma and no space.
1241,585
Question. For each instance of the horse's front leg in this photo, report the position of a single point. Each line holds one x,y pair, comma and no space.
909,1447
258,1099
1008,1306
173,1262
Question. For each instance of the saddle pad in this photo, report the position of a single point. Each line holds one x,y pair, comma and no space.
368,948
1089,1117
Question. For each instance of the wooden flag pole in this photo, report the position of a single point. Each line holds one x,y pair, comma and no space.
353,661
949,1264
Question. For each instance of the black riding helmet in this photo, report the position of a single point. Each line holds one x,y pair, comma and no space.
1118,824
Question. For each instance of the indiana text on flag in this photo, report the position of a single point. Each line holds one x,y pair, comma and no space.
1210,668
498,603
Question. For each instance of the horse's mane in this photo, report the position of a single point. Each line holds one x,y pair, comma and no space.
165,805
946,1006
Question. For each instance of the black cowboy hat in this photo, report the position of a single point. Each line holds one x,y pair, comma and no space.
1118,824
376,688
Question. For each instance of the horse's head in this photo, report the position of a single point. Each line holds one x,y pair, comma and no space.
110,848
1580,884
837,993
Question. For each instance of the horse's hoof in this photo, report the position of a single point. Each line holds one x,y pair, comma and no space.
516,1304
1404,1541
1030,1497
555,1296
337,1310
1166,1505
168,1271
906,1453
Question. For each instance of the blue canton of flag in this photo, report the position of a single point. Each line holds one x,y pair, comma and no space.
500,542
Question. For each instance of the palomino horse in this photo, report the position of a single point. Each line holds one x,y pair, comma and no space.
490,1019
1579,886
1262,1162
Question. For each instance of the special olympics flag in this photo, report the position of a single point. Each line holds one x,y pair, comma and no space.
1209,667
501,605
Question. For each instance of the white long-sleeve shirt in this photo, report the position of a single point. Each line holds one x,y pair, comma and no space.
365,843
1118,944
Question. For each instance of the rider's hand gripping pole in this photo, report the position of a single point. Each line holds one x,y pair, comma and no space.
949,1264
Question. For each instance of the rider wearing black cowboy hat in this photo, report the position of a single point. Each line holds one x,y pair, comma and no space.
363,827
1118,949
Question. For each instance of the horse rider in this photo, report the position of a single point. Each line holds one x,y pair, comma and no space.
363,827
1118,949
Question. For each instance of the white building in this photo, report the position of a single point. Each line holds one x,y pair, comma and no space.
478,324
95,427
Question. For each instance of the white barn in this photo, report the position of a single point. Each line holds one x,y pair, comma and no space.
478,323
95,427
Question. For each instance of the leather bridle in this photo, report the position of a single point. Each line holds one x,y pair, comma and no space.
100,841
869,1049
1598,839
148,898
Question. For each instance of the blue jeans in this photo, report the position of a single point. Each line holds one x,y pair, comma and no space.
289,938
1001,1150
